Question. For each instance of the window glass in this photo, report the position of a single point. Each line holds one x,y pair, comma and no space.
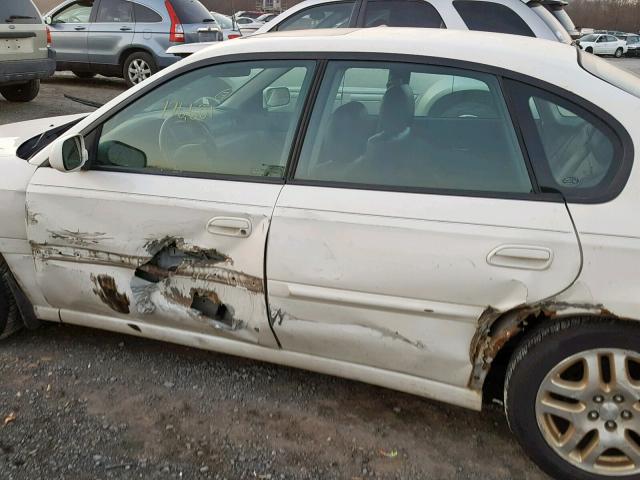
78,12
191,11
115,11
412,126
491,17
401,13
232,119
572,149
223,21
18,11
145,15
333,15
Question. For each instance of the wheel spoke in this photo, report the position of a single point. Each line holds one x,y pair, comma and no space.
631,450
593,451
572,390
561,409
593,374
571,439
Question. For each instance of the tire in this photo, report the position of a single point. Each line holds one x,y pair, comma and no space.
589,50
24,92
619,53
10,321
84,74
138,67
554,348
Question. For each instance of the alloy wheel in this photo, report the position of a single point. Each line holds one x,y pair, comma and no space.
588,410
138,71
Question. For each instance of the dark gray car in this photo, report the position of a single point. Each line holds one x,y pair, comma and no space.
125,38
24,54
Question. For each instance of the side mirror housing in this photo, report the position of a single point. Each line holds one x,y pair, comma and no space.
277,97
68,154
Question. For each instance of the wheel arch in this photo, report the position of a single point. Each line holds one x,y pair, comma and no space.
133,49
499,333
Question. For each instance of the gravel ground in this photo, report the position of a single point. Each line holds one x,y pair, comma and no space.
84,404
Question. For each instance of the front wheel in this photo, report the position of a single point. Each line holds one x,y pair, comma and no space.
24,92
589,50
619,53
572,398
138,67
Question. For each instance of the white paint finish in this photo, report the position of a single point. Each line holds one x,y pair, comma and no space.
462,397
100,223
431,250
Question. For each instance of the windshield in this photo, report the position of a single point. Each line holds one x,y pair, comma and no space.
222,20
589,38
18,11
610,73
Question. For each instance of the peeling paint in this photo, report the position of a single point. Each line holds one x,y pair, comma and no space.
106,289
78,238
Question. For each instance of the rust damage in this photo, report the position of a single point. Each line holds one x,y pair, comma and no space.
496,328
78,238
106,289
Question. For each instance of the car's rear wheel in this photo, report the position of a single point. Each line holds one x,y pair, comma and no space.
23,92
10,320
572,398
84,74
619,52
138,67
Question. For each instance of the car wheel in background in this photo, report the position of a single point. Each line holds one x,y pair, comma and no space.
619,53
572,398
84,74
138,67
24,92
10,321
589,50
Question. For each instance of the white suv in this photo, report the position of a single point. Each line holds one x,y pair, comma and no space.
542,19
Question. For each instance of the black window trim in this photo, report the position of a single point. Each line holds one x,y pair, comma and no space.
615,188
352,21
499,5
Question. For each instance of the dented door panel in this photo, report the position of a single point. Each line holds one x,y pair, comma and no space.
137,247
400,281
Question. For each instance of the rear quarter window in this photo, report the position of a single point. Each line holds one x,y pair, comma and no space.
145,15
191,11
402,13
491,17
575,147
18,12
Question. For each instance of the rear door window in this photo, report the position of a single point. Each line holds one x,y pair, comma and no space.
119,11
491,17
573,150
402,13
18,11
405,126
332,15
191,11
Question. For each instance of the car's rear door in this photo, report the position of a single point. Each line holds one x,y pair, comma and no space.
402,229
69,31
111,32
166,229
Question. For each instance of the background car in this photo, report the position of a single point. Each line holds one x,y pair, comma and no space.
633,43
227,26
530,19
432,211
248,25
267,17
25,57
248,13
603,44
124,38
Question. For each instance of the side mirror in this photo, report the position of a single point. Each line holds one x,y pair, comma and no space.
277,97
68,154
48,20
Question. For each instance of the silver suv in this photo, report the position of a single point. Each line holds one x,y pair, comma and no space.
125,38
24,54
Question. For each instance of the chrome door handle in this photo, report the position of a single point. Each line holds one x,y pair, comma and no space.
80,28
524,257
229,227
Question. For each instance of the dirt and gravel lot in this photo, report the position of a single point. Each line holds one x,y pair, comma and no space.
83,404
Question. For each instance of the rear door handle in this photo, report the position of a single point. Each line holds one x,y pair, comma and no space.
229,227
80,28
125,29
524,257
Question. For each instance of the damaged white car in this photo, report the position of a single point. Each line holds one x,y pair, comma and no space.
444,213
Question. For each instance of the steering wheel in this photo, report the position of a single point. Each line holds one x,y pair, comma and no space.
180,130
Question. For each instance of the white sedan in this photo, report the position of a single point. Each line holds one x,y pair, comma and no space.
439,212
603,44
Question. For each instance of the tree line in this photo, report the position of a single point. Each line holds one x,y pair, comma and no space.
621,15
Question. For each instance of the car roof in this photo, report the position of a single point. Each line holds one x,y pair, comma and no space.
511,52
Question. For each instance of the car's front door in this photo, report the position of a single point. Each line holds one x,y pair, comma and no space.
167,226
601,46
69,32
112,32
406,222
